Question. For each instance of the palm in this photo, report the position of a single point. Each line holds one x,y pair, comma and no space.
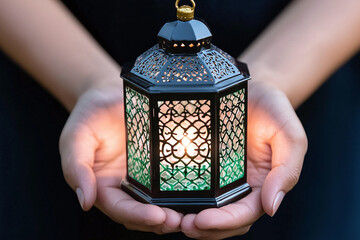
93,158
94,136
276,147
264,121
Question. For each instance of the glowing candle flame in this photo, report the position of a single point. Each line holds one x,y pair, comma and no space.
190,150
185,141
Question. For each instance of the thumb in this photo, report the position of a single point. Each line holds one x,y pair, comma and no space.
287,159
77,150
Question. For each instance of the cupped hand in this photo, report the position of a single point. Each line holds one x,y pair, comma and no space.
276,148
92,148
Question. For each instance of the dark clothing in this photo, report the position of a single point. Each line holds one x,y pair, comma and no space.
36,203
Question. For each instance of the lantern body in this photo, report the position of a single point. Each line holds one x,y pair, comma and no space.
186,117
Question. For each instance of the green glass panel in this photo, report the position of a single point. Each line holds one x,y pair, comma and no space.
232,137
185,145
137,121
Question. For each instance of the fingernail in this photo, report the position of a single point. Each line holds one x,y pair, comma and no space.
278,199
80,196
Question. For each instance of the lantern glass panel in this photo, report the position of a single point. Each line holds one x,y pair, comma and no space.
137,112
185,145
232,137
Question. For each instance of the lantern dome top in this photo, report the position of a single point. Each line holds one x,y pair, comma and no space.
186,35
193,30
207,67
185,57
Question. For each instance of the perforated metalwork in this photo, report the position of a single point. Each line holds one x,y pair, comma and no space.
185,69
151,66
225,54
184,47
206,67
146,53
219,66
137,121
185,145
232,137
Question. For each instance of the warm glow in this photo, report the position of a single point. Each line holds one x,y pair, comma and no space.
190,150
185,141
187,148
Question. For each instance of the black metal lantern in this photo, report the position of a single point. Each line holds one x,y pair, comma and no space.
186,117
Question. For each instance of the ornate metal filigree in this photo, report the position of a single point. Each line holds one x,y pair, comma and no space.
185,145
146,53
225,54
137,111
151,66
232,137
219,66
185,69
206,67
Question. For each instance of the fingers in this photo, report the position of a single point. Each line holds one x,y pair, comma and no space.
123,209
288,146
232,219
189,228
192,231
135,215
171,224
77,156
172,221
232,216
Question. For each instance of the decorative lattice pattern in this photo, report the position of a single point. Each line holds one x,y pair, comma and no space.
185,145
137,121
219,66
151,66
232,137
185,69
224,54
206,67
146,53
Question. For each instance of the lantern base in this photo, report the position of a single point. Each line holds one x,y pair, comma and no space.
188,205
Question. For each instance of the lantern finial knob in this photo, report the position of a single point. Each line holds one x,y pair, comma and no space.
185,12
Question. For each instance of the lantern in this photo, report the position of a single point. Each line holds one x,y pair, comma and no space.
186,117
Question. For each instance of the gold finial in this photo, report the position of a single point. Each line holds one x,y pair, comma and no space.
185,12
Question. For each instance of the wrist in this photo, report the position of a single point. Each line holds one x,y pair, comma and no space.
263,73
98,81
282,80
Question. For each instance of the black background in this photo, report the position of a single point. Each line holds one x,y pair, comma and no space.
35,201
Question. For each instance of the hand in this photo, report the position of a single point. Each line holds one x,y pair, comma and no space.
276,147
92,148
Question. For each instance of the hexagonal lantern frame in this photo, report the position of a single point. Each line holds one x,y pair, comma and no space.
169,85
